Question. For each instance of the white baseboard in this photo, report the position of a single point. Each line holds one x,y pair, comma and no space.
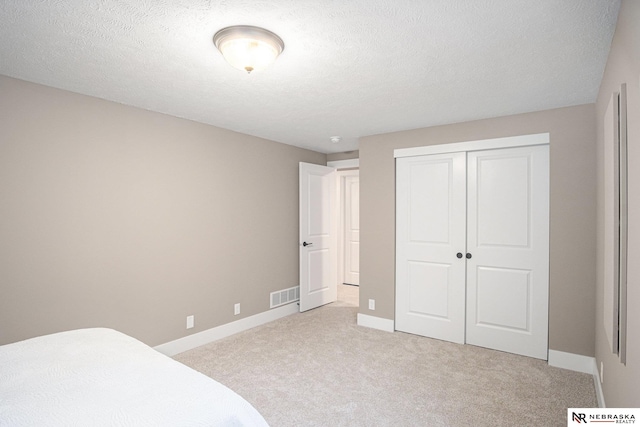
571,361
205,337
598,384
386,325
579,363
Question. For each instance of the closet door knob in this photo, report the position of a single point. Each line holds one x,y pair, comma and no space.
459,254
468,255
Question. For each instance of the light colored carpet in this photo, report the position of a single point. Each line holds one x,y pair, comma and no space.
320,369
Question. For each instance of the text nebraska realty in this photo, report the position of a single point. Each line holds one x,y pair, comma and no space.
604,418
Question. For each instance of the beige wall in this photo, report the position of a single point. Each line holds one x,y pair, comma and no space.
119,217
572,213
621,385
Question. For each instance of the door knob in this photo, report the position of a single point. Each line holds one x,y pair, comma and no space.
468,255
459,254
305,244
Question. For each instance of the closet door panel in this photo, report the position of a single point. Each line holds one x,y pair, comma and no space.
508,239
430,199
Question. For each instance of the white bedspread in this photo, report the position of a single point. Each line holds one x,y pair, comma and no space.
100,377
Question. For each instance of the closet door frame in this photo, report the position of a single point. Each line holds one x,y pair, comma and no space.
480,145
483,144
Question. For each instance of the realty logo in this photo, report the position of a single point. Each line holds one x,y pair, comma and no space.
602,415
579,417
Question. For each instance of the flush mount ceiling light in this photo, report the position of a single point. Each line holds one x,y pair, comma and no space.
248,48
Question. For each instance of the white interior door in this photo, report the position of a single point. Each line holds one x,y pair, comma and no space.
430,218
508,240
352,228
318,236
491,209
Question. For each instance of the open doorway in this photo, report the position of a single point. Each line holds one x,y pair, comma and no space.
349,235
329,233
348,295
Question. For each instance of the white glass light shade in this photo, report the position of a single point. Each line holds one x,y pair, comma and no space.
248,48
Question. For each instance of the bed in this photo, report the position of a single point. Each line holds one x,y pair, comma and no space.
101,377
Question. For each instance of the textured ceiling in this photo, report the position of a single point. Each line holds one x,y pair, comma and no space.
350,67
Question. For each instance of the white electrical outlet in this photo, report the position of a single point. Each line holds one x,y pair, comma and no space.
191,321
236,309
372,304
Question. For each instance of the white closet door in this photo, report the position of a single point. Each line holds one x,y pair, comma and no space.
508,240
430,209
